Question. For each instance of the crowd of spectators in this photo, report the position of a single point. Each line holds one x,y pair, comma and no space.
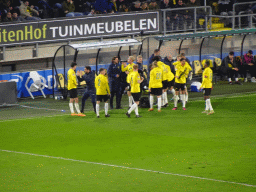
17,11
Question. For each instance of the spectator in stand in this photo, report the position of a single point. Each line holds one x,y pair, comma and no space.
153,5
103,6
179,16
69,9
8,17
16,18
199,13
248,65
229,67
136,6
28,12
124,8
114,6
6,6
167,4
0,16
144,6
120,3
92,12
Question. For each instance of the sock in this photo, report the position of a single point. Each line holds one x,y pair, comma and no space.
186,97
130,101
137,110
159,103
176,98
182,97
94,106
229,80
165,96
236,79
77,108
151,101
98,109
163,99
206,105
209,104
173,92
71,107
132,108
106,108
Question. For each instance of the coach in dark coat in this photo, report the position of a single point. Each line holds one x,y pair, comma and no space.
114,72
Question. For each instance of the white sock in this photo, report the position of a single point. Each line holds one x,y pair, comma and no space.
77,108
173,92
163,99
159,103
186,97
106,108
209,104
165,96
130,101
133,107
176,98
236,79
71,107
98,109
151,101
206,105
137,110
182,97
229,80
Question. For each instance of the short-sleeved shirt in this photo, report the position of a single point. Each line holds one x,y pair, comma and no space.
134,77
207,78
72,83
182,72
156,78
101,85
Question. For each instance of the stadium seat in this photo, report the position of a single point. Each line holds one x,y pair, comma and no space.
211,63
197,67
39,83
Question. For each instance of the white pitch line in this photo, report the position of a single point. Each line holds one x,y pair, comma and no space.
152,171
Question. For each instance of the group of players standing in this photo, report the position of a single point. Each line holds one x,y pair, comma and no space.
108,83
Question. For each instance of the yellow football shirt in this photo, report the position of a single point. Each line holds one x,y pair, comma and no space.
128,68
170,75
156,78
207,78
101,85
163,66
134,77
72,83
182,72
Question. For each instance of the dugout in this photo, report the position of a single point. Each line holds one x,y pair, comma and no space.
213,45
95,54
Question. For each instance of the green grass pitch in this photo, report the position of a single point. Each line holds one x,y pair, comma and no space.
167,151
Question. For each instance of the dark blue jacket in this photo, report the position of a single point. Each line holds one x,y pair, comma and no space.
140,65
89,78
114,82
170,63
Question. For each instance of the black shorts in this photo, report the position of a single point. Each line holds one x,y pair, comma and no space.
101,97
136,96
207,91
156,91
73,93
171,83
165,84
179,86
